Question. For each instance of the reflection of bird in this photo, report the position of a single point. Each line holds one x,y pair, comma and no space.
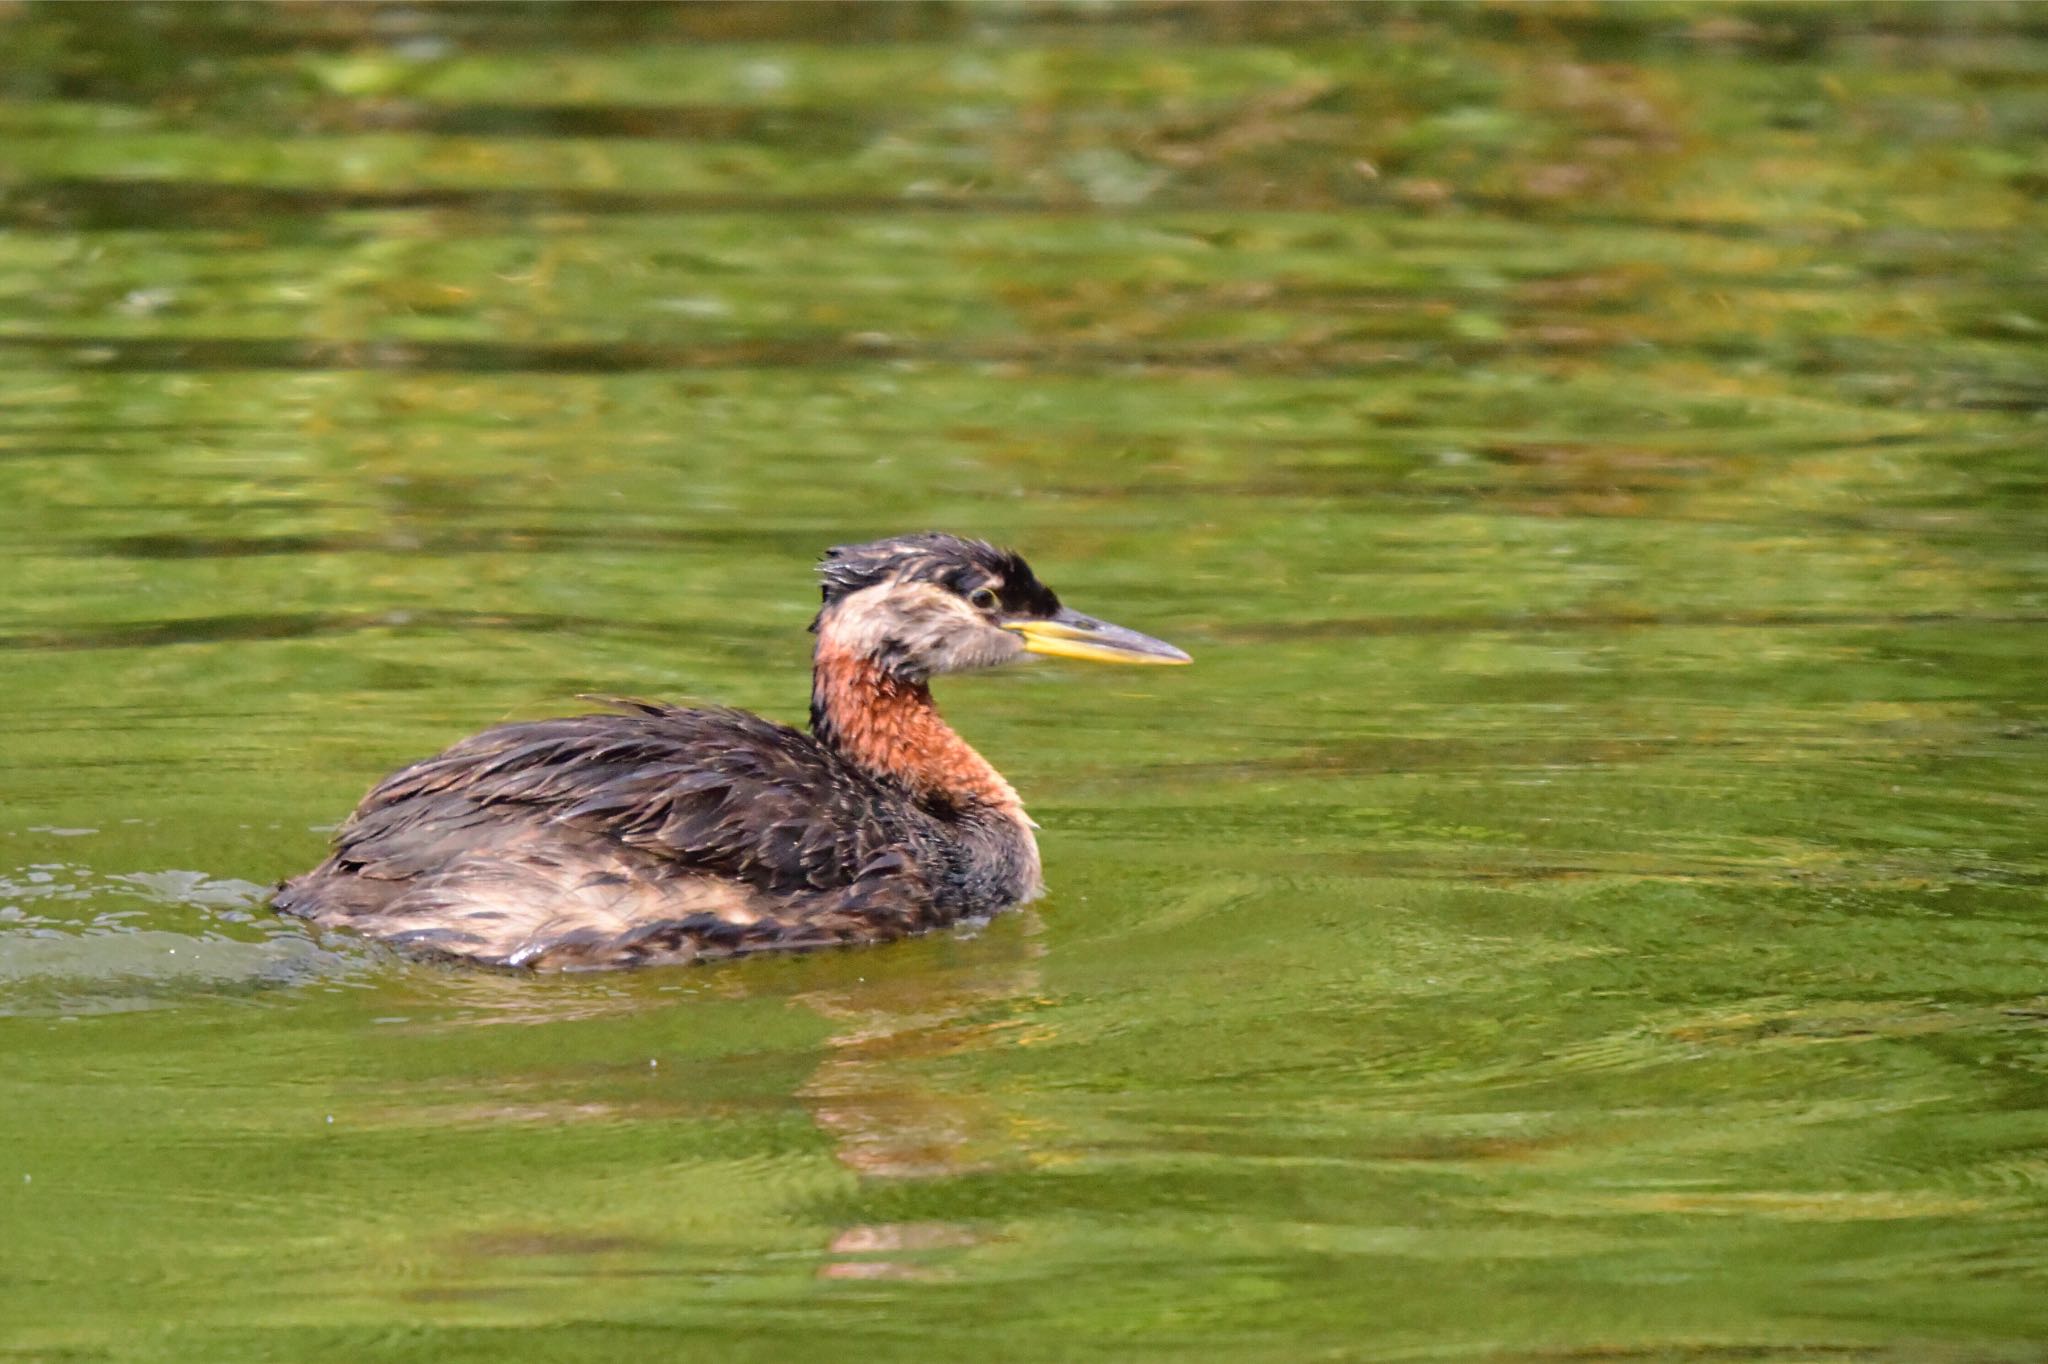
663,834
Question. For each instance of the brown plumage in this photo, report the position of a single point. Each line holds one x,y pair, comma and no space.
661,834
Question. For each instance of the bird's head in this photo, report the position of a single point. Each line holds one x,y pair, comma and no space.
916,605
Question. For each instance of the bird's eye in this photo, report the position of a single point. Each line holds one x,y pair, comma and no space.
982,599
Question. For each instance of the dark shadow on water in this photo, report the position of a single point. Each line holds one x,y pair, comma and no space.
78,204
1567,622
166,355
309,625
814,130
436,543
65,204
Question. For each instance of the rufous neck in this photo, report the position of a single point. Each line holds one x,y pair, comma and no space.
889,726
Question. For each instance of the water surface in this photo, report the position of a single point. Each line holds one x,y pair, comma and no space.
1585,904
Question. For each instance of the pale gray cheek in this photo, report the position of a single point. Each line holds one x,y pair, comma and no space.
997,647
985,648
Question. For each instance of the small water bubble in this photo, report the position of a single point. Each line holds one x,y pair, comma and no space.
425,48
1112,177
764,78
703,305
143,302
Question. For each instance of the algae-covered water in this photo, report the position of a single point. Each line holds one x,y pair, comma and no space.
1586,902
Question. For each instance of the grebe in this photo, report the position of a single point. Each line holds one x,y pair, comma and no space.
661,834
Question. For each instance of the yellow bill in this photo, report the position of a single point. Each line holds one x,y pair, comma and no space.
1073,635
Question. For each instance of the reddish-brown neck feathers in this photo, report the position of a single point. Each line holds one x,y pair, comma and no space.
890,727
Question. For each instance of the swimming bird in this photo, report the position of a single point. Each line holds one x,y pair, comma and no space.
657,833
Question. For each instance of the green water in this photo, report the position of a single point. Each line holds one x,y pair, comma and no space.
1585,904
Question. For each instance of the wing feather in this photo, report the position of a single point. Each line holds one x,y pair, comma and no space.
709,790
